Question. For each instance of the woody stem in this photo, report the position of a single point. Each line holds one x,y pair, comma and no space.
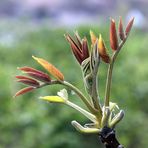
108,138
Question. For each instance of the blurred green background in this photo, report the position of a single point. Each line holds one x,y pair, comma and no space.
27,122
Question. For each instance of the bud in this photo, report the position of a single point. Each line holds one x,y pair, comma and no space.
113,36
120,29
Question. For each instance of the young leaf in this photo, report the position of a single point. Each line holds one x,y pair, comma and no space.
53,99
24,90
103,50
113,106
76,48
78,39
41,77
28,81
85,130
23,77
116,119
93,37
120,29
30,69
85,51
113,36
50,68
129,26
63,94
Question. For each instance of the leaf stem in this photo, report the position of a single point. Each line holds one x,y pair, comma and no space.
76,90
82,111
80,94
110,71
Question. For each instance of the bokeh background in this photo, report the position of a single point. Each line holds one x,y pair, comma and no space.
36,27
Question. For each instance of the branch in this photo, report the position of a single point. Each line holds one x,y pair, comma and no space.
108,138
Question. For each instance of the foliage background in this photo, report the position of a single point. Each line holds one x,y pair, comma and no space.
27,122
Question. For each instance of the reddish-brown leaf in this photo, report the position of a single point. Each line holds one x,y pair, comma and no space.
129,26
30,69
23,77
29,82
78,39
85,51
105,58
73,43
41,77
113,36
50,68
76,49
24,90
120,29
77,55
